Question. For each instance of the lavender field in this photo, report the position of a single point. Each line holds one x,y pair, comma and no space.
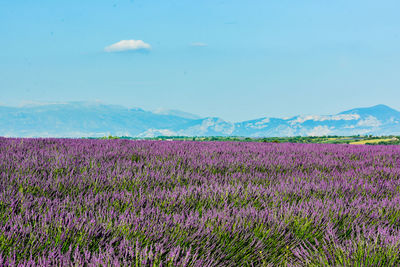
182,203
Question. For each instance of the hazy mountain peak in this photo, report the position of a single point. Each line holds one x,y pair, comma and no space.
175,112
378,109
81,119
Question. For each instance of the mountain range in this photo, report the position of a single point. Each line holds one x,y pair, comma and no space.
83,119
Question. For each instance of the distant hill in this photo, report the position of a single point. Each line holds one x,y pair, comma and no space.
175,112
81,119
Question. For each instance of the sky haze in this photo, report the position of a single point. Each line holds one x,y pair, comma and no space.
233,59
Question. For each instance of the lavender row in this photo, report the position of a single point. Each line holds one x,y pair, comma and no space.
150,203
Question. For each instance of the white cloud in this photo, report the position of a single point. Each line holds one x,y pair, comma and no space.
264,121
319,131
209,124
259,124
127,45
156,132
346,117
370,121
199,44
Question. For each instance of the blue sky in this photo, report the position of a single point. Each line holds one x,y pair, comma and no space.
234,59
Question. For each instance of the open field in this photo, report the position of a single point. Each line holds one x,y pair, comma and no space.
373,141
357,139
185,203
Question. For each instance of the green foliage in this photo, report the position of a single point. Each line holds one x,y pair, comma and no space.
331,139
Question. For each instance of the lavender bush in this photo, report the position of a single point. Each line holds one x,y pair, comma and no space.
148,203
